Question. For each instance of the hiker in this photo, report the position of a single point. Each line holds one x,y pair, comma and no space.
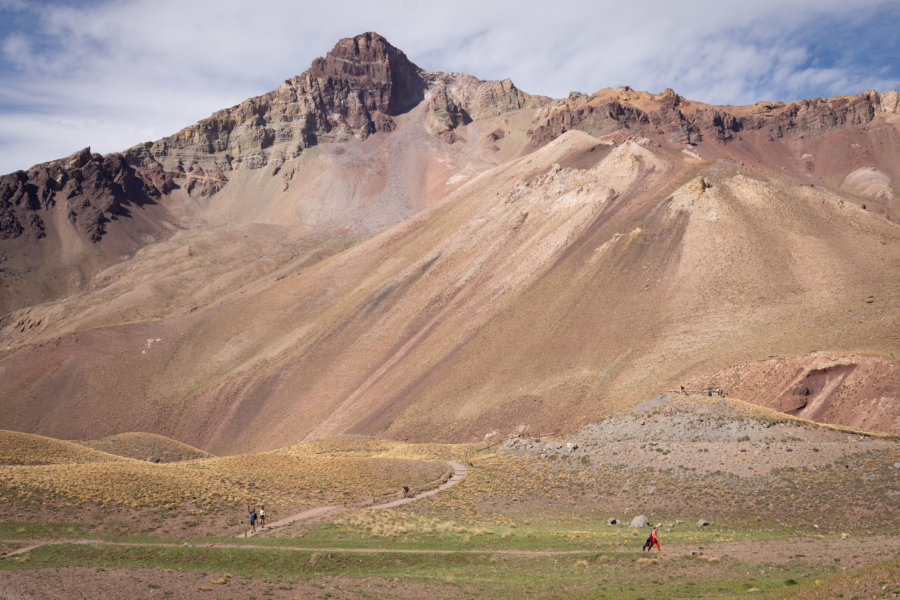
652,539
262,517
406,491
252,519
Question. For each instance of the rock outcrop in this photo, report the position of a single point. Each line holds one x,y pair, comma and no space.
358,89
678,121
445,113
352,92
90,188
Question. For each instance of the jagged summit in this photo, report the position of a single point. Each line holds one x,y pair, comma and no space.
364,84
375,68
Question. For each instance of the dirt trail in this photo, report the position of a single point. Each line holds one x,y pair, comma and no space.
853,553
458,474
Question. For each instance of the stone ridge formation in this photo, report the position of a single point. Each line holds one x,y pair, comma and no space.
686,122
357,90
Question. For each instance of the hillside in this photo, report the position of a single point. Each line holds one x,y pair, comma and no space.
146,446
376,249
28,449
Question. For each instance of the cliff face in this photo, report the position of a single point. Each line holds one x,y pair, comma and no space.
353,92
360,88
90,189
684,122
356,90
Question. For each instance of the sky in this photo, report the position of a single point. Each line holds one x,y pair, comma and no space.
112,74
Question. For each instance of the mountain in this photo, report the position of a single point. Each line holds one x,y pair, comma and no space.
373,248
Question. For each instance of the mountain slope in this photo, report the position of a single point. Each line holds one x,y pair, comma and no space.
444,258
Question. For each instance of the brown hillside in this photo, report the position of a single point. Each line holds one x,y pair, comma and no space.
470,259
146,446
855,390
29,449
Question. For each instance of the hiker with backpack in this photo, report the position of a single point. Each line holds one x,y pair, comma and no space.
252,518
652,539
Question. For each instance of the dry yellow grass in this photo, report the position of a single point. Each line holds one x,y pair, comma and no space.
328,472
28,449
372,448
393,523
142,445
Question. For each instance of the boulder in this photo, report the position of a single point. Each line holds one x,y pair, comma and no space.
640,521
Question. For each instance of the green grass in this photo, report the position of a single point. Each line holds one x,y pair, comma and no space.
587,536
479,561
590,575
28,530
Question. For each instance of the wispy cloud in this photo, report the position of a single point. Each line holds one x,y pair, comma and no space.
112,74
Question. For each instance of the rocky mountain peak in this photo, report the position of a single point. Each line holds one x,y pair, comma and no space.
369,60
351,92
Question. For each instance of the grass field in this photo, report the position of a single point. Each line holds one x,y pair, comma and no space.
518,526
482,572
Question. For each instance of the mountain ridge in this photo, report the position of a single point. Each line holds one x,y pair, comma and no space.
442,257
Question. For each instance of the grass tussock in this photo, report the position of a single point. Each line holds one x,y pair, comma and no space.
394,523
29,449
301,476
142,445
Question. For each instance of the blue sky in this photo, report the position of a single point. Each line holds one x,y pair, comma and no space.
112,74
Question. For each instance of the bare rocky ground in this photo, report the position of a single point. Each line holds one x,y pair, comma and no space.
691,457
108,584
706,434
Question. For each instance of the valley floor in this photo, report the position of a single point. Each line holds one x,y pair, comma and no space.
791,510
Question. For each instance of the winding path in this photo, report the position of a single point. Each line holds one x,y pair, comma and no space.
458,474
855,552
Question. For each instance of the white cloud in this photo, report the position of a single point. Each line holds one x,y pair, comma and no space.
126,69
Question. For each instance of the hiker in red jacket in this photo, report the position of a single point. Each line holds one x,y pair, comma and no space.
651,539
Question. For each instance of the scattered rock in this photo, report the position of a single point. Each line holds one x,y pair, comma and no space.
612,521
153,459
640,521
702,523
